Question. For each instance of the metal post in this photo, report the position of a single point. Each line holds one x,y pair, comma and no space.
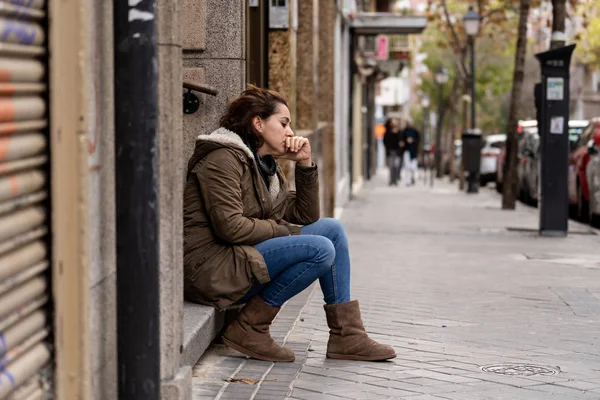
424,141
438,133
552,101
350,110
137,222
473,116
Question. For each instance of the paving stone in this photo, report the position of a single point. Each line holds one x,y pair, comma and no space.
555,389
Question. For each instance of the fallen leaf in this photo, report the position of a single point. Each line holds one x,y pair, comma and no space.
413,343
243,380
247,381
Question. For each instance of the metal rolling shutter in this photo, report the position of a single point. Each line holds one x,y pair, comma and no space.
25,324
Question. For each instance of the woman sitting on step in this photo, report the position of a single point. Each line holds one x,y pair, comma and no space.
240,245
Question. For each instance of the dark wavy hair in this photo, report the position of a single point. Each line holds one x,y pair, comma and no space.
253,101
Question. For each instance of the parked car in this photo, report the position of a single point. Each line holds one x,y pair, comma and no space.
579,159
528,167
593,177
576,128
523,127
531,159
492,146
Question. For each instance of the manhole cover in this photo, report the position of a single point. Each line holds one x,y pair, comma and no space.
520,369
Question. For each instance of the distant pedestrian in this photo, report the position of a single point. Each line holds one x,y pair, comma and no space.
394,147
249,240
411,137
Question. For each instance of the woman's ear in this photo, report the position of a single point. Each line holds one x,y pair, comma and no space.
257,122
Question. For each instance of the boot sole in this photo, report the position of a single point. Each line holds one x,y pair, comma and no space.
359,358
252,354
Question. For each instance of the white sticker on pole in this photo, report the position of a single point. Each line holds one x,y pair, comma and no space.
555,89
557,125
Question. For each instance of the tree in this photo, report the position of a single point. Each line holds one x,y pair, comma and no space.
445,42
509,195
588,37
559,14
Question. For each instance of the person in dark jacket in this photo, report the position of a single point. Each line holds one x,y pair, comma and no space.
394,148
411,137
249,240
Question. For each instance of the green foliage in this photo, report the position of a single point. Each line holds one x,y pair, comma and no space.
588,39
445,44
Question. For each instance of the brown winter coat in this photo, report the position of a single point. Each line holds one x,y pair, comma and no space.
228,209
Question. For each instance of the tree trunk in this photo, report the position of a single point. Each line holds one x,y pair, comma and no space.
559,13
509,195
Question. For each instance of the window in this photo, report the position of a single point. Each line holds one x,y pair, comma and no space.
398,42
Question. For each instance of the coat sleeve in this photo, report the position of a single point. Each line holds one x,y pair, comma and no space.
303,204
220,179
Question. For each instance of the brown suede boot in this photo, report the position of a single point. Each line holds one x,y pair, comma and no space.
249,333
348,339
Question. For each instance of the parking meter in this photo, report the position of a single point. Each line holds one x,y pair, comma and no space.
471,158
552,101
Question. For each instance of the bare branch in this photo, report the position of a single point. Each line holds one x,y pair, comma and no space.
450,26
480,7
490,13
459,59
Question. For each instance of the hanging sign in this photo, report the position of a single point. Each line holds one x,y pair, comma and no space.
382,42
279,14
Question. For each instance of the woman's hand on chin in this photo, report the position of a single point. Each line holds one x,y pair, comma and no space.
298,149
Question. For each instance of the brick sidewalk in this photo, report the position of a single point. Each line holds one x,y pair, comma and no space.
455,285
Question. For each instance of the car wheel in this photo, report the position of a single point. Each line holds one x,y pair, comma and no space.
595,220
526,196
583,207
499,187
520,192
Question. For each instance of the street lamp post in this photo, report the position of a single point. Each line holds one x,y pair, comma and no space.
472,138
441,77
472,20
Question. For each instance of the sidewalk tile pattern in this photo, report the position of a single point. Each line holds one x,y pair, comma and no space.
441,278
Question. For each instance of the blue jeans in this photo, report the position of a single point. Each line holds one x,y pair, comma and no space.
295,262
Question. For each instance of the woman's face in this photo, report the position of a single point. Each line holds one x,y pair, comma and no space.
274,130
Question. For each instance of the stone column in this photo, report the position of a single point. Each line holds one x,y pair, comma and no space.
325,101
307,66
176,381
282,70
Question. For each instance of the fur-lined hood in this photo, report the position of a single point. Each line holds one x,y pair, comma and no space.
220,138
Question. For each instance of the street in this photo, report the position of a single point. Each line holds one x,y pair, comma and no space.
476,305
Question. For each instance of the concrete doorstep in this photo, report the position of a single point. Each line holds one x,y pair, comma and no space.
201,324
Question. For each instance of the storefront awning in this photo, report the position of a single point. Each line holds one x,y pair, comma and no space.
387,23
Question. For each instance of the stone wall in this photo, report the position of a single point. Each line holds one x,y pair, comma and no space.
213,33
325,103
301,68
